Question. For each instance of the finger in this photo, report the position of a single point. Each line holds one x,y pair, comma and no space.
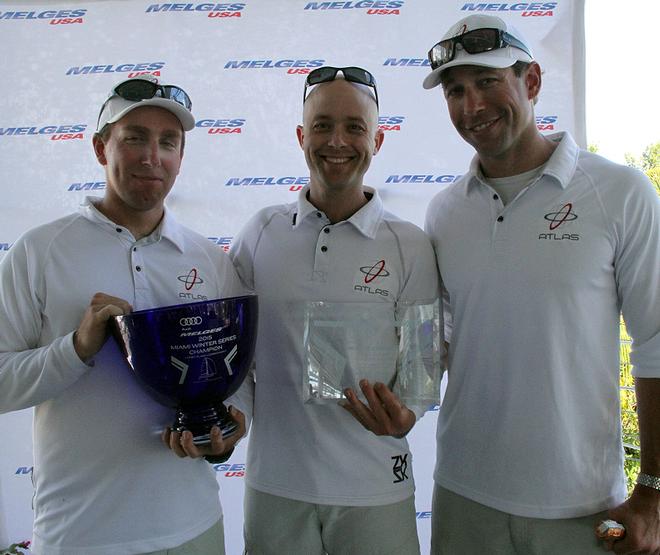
360,411
375,403
218,445
392,404
102,299
175,444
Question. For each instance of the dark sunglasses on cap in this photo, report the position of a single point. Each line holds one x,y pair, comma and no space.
352,74
473,42
144,89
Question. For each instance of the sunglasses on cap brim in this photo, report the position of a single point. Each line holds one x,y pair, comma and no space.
143,89
473,42
352,74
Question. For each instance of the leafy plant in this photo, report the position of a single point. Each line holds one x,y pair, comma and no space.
15,548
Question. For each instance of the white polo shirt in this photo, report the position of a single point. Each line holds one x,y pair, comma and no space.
104,482
530,421
291,254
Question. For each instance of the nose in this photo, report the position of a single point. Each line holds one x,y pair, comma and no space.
337,138
473,101
151,154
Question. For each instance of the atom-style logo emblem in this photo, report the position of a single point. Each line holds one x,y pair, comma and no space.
372,272
191,279
564,214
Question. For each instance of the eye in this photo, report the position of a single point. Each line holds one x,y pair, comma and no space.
320,126
487,81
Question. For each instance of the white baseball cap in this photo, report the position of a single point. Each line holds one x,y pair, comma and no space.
497,57
169,97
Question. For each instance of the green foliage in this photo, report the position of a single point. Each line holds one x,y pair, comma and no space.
15,548
649,160
630,429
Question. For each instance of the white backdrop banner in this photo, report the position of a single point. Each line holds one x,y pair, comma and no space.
243,64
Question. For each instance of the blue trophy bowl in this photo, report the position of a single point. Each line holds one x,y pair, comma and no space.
191,357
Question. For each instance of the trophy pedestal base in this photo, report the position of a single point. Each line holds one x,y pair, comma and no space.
200,422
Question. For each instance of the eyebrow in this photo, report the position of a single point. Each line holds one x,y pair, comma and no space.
146,130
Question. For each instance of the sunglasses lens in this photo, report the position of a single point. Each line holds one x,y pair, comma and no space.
358,75
442,53
321,75
480,40
178,95
136,90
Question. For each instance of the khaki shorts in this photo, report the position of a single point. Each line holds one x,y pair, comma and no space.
211,542
461,526
279,526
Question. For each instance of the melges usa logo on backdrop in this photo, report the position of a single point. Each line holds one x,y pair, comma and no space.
52,132
369,7
294,183
391,123
130,69
423,178
407,62
546,123
524,9
53,17
212,10
215,126
291,65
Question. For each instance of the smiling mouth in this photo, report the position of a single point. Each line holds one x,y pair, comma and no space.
482,126
336,159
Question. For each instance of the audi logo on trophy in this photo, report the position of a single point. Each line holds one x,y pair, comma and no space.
192,372
191,321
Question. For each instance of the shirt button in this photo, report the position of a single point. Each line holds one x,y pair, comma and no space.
326,230
118,229
500,219
495,197
324,248
319,214
134,249
138,268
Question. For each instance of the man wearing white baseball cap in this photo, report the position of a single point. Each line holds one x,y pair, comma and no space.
541,247
104,482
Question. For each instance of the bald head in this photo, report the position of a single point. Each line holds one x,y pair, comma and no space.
342,97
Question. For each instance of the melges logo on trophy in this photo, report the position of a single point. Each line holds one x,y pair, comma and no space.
191,357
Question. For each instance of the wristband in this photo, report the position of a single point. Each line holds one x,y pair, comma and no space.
648,481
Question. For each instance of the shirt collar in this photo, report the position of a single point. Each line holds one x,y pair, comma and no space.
560,166
168,228
366,220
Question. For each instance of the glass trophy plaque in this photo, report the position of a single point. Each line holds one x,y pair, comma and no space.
397,344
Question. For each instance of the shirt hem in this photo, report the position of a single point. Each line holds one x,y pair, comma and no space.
339,500
532,511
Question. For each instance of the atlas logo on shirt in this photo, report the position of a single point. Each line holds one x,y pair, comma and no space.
371,7
371,275
5,246
525,9
560,217
210,9
190,280
400,468
59,17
